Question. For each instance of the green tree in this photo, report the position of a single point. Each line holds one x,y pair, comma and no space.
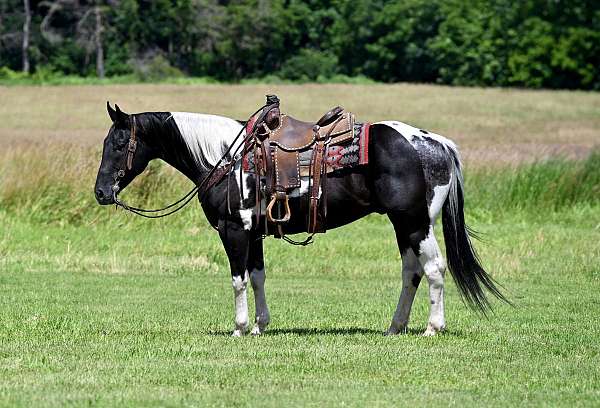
399,50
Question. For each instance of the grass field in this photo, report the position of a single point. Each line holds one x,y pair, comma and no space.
99,308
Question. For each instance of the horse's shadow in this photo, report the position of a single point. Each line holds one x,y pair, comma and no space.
334,331
312,331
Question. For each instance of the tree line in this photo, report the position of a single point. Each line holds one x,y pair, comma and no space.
528,43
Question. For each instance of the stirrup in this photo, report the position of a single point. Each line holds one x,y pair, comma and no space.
286,216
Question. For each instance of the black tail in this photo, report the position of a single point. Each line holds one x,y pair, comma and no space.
463,262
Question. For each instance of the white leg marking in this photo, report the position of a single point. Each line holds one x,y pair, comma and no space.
241,304
434,267
257,278
410,268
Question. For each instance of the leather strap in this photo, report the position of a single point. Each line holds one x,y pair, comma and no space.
257,171
317,171
132,144
269,171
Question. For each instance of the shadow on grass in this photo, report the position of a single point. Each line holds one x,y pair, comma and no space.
335,331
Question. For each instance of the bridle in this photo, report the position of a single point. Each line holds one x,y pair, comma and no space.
215,175
131,148
127,164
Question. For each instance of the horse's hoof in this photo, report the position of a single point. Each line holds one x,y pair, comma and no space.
432,331
393,331
237,333
258,329
429,332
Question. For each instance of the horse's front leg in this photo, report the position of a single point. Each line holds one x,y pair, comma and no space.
235,240
256,266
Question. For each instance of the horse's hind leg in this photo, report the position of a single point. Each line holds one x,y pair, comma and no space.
411,277
256,267
434,266
421,255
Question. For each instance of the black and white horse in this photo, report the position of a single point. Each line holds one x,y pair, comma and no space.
412,176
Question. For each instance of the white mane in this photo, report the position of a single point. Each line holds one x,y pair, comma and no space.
207,136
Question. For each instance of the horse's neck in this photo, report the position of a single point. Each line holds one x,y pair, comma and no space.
192,143
163,136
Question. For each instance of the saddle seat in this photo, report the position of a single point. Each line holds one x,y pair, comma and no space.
295,135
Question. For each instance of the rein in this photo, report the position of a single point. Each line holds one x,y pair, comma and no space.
214,176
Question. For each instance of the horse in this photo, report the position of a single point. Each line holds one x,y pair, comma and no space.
412,175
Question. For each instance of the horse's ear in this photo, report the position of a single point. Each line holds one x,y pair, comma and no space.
121,116
111,112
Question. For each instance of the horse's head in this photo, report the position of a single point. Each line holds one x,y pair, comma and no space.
125,155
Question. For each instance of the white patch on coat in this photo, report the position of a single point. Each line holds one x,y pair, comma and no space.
437,201
304,188
240,303
410,132
262,319
242,183
246,216
207,136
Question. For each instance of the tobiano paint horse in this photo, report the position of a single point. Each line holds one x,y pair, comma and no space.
412,176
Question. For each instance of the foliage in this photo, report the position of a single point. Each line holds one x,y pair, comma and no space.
156,68
308,65
532,43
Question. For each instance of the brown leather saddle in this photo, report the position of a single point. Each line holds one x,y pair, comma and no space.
279,140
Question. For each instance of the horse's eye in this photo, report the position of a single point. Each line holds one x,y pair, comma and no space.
120,140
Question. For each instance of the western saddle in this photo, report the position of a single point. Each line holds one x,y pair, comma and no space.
277,140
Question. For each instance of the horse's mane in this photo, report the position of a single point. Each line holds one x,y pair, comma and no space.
207,137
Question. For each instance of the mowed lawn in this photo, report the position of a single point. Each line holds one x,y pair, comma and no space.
142,316
98,308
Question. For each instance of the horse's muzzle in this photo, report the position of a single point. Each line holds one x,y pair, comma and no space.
104,197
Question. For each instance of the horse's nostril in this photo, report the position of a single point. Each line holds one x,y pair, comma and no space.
99,193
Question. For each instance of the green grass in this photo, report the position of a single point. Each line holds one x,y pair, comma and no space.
121,311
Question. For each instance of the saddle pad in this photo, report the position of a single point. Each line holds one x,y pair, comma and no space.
348,153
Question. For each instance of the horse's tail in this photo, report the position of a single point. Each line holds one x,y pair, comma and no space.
463,262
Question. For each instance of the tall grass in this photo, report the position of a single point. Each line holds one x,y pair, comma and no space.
54,184
549,185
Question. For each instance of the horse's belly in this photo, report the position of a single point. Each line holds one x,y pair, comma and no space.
348,199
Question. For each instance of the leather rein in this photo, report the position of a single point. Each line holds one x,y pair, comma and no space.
215,175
